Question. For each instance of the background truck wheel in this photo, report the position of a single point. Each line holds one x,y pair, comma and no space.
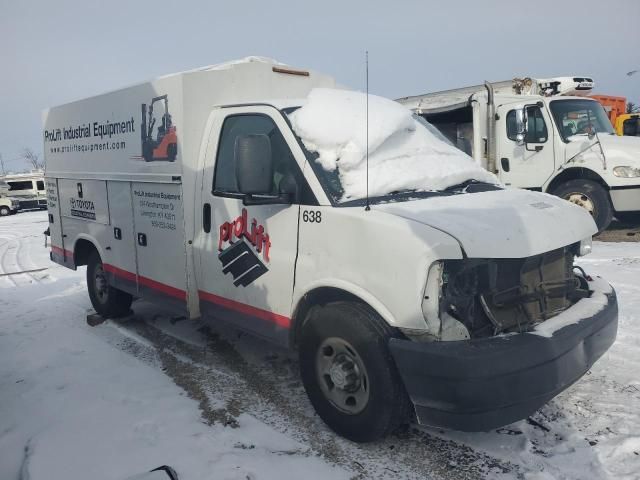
106,300
591,196
349,374
4,211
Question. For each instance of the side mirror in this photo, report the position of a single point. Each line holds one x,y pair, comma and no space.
521,126
254,164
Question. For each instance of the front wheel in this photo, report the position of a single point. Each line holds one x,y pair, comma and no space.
4,211
349,374
106,300
591,196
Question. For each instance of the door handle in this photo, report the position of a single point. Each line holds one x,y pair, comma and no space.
206,217
505,164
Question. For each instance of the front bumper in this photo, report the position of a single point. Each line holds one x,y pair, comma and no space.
625,199
481,384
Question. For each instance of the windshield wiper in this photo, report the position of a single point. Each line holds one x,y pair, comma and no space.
471,186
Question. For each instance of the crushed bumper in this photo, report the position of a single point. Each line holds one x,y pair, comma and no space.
478,385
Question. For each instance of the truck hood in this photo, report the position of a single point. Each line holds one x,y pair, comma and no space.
618,150
500,224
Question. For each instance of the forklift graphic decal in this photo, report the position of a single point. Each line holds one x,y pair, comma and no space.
165,145
238,258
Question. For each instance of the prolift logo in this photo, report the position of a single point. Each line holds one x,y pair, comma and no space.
236,256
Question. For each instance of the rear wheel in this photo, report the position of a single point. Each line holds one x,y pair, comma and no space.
106,300
591,196
349,374
4,211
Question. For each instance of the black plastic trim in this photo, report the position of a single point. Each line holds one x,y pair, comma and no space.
482,384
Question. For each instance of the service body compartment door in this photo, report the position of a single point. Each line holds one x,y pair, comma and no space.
160,243
56,239
120,261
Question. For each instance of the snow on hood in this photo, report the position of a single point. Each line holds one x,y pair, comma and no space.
509,223
403,154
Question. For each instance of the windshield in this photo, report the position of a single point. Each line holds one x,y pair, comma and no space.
406,155
580,117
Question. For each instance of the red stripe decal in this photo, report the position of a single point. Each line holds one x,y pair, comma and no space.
147,282
279,320
118,272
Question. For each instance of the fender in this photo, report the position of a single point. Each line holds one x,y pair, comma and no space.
347,287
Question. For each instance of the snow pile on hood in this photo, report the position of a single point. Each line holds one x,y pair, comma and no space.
403,154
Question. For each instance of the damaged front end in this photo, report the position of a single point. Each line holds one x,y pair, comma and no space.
503,337
494,296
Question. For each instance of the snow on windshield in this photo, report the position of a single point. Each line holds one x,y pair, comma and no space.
403,154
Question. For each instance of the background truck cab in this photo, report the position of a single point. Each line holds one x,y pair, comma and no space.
542,135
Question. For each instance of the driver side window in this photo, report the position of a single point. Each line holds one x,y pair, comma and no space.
285,172
536,126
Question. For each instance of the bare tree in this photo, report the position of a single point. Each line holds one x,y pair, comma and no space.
632,107
4,172
32,159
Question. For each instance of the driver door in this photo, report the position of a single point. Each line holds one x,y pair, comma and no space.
529,165
247,253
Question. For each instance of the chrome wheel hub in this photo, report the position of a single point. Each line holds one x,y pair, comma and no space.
342,376
100,281
581,200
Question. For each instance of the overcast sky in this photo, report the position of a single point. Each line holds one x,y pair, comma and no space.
57,51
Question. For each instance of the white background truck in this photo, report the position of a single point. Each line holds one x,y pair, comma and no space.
533,134
8,204
449,299
28,188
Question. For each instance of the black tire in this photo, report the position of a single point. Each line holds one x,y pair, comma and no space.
632,218
106,300
588,193
387,405
5,211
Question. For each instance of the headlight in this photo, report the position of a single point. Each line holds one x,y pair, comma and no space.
586,246
431,298
626,172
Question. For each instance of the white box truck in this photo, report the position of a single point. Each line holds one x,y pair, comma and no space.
543,135
28,189
8,204
411,284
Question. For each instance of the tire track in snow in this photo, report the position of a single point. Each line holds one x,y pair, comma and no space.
226,384
18,268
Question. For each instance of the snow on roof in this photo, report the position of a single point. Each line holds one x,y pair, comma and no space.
403,154
230,64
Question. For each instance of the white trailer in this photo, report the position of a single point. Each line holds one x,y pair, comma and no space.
543,135
238,195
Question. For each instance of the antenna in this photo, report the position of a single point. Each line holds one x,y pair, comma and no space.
366,61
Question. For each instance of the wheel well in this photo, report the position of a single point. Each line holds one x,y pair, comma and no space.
317,297
81,252
573,174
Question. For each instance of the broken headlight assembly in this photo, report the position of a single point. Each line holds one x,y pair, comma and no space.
474,298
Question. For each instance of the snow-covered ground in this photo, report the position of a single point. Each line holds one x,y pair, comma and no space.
106,402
